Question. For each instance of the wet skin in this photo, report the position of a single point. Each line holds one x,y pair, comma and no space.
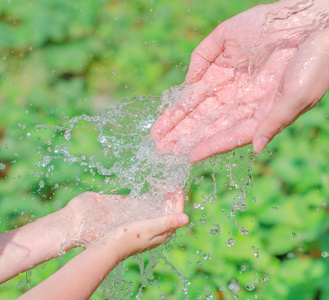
251,77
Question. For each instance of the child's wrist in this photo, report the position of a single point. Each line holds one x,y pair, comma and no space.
65,225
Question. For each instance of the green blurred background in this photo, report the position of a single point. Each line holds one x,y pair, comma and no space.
60,59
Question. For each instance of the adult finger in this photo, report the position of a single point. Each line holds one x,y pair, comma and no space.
205,53
225,141
215,79
305,81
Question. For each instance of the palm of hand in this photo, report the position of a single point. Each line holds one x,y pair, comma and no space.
93,215
237,77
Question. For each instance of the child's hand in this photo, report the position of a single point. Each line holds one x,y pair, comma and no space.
134,237
92,214
104,253
95,215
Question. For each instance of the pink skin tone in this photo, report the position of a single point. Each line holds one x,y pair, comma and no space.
43,239
254,75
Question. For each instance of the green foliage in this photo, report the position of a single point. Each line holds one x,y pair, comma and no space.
60,59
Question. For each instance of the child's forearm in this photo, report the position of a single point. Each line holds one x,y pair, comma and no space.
80,277
34,243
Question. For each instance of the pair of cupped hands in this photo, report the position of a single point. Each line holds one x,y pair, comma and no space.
254,75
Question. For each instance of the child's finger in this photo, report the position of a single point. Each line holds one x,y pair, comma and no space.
162,225
176,198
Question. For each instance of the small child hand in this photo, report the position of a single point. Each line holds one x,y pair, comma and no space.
95,216
134,237
92,213
104,250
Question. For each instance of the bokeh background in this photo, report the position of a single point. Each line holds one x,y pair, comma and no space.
60,59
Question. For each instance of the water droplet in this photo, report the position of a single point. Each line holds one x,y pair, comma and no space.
21,284
190,226
198,206
41,184
207,256
2,166
256,254
325,254
243,268
294,235
243,230
203,222
207,199
113,72
67,135
230,242
234,285
266,277
250,287
217,229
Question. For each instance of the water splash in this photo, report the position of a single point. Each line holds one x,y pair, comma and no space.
325,254
129,163
230,242
119,158
249,287
234,285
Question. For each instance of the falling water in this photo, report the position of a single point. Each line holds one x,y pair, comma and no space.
124,161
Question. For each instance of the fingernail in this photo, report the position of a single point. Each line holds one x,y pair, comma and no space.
183,219
260,144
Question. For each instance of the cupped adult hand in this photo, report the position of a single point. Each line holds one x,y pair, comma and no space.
254,75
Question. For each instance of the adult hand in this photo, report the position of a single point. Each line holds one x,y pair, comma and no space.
251,77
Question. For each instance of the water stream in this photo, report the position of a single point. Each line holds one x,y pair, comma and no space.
126,162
